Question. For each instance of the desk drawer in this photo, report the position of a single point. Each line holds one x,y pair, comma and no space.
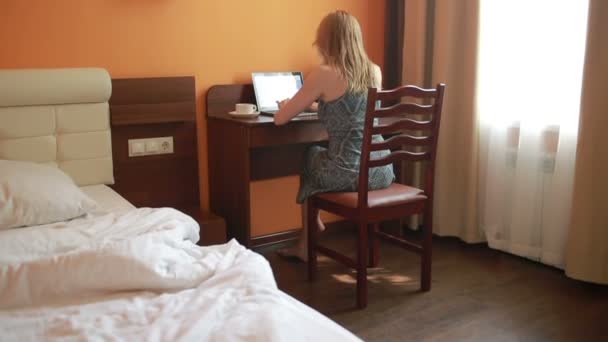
292,133
277,161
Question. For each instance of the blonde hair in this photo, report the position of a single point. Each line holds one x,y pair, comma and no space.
340,43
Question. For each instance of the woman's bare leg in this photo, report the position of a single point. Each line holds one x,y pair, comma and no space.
299,249
320,223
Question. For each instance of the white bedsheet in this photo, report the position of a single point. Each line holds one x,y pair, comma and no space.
138,275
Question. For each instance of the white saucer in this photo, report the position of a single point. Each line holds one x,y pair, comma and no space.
241,115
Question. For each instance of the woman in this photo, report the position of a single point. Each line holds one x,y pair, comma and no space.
340,86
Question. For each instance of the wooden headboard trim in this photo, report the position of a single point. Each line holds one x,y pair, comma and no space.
153,100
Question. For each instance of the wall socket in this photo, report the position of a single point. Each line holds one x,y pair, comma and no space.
150,146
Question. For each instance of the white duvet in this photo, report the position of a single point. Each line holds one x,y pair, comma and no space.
138,275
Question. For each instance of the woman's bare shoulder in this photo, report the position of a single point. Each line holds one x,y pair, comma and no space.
326,72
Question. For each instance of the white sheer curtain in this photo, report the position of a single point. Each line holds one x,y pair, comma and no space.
531,55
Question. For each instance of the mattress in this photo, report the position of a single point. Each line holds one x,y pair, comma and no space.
107,199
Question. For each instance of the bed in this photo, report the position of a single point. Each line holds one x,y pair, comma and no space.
107,270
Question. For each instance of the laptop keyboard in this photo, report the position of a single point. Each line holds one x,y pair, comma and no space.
305,114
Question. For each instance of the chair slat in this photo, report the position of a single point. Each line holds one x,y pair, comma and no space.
396,156
401,140
346,261
401,242
404,108
406,91
403,124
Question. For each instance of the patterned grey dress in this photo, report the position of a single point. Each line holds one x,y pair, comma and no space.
336,168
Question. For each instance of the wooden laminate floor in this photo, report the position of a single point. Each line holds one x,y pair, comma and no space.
477,294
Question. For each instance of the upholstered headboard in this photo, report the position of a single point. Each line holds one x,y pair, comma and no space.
58,117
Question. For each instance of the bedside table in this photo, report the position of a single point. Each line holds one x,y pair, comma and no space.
213,227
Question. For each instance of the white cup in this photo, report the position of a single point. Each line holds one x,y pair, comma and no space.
245,108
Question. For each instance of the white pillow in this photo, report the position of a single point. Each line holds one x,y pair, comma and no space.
34,194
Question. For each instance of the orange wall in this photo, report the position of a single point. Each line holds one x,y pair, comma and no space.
218,42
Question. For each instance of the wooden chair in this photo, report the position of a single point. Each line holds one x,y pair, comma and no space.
368,208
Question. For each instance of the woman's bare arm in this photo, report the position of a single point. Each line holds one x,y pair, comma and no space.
304,99
377,76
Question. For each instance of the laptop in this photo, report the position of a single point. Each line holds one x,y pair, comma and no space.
270,87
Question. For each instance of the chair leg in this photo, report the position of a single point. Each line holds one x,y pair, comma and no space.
427,250
362,247
373,245
312,230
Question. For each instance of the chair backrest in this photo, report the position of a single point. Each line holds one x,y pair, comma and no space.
393,121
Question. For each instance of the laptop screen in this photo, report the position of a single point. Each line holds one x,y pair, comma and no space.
271,87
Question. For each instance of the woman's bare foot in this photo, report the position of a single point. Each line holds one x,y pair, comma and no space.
294,252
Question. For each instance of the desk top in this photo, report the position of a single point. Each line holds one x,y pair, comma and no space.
259,120
222,98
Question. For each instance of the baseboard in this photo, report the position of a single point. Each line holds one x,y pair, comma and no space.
293,234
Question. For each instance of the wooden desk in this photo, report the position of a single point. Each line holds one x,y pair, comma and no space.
243,150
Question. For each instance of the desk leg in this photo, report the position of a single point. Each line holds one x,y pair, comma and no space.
229,176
